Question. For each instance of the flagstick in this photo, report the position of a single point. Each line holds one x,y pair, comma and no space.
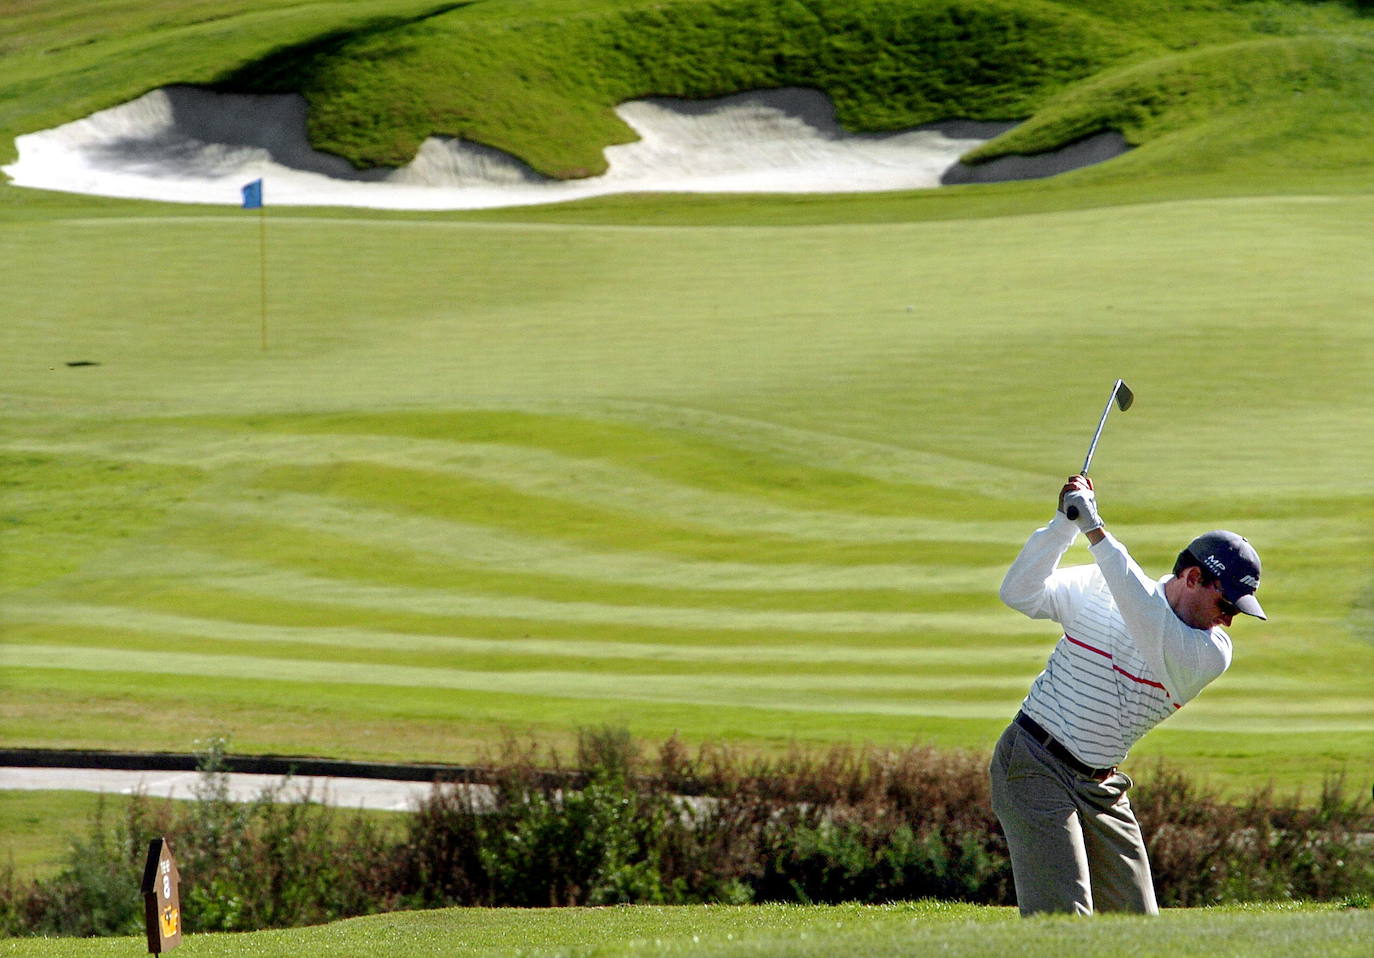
262,262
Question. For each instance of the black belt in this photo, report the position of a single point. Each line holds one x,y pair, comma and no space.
1056,749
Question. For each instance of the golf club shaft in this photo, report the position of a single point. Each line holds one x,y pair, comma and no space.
1092,446
1072,511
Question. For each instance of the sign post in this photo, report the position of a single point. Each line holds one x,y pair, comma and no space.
161,898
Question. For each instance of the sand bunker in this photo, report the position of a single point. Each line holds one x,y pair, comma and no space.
184,144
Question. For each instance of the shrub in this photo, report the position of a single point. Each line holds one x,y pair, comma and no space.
273,862
538,838
96,893
266,863
1206,851
866,825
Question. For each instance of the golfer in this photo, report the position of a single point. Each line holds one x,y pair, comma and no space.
1134,650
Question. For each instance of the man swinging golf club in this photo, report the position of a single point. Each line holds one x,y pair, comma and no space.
1134,650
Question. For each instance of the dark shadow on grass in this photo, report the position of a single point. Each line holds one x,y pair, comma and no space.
209,130
287,69
1088,151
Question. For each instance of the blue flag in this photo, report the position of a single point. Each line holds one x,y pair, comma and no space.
252,195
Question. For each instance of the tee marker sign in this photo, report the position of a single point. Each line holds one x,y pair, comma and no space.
161,898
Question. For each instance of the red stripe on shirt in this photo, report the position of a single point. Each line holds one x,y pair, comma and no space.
1136,678
1085,645
1117,668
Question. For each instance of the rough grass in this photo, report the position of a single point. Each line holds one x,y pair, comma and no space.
540,82
539,79
1203,110
39,825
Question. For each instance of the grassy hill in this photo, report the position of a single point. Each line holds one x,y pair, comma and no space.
1206,86
743,468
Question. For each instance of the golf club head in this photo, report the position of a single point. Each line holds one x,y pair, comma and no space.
1124,396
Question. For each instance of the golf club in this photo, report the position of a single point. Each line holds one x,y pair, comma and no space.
1123,397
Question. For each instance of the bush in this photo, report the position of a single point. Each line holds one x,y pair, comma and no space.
273,862
865,825
531,838
266,863
1205,851
841,826
96,893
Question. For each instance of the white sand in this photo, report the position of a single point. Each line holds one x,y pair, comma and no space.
184,144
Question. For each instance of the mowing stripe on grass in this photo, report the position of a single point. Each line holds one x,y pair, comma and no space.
128,622
510,550
890,695
345,559
444,479
252,580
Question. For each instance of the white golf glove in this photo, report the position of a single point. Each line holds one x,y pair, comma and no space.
1081,505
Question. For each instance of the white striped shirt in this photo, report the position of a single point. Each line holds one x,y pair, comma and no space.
1126,661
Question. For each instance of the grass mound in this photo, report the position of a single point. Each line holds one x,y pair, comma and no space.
541,84
1298,98
539,78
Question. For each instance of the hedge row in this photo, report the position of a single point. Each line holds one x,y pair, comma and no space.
863,825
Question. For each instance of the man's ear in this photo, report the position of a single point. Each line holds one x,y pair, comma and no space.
1192,576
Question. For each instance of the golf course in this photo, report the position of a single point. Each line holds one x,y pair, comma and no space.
390,485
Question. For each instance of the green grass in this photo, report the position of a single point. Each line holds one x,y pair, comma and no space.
920,928
742,468
680,478
1236,83
38,826
545,90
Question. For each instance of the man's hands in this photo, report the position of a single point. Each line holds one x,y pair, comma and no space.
1078,492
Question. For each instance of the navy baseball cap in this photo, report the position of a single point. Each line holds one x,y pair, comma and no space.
1236,565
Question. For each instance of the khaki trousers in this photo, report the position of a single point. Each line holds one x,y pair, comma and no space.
1075,843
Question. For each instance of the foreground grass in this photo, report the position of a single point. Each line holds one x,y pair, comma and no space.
921,928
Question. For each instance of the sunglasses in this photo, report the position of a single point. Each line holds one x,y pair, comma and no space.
1224,605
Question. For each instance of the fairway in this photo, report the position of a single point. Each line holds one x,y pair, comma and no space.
745,483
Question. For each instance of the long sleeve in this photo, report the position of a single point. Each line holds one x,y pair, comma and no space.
1034,585
1187,658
